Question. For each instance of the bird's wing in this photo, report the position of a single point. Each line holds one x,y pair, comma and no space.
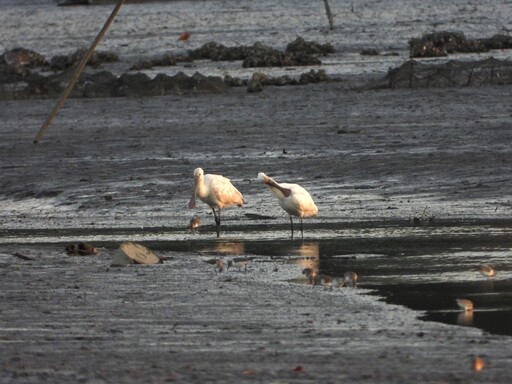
303,200
225,193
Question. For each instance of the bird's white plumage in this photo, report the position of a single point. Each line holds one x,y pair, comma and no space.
219,192
216,191
299,203
294,199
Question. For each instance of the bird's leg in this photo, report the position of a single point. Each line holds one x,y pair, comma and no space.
217,221
291,224
301,229
218,224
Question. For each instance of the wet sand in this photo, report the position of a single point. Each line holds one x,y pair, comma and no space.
110,170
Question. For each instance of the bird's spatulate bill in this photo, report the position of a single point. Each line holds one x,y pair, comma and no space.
286,191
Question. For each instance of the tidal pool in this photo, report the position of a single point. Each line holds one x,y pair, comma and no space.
424,268
424,273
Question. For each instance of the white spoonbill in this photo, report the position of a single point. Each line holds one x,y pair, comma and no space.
217,192
294,199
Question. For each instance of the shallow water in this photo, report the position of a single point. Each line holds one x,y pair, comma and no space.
424,268
425,278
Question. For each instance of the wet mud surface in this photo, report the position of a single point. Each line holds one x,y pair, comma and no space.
412,187
373,161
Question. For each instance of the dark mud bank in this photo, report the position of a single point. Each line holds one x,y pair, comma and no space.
27,74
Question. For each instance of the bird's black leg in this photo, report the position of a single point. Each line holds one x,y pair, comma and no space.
217,221
218,224
291,224
301,229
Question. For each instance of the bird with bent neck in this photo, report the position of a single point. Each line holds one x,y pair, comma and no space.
294,199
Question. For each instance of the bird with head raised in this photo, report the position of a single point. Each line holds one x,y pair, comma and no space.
294,199
217,192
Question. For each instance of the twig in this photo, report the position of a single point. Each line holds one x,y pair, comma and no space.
22,256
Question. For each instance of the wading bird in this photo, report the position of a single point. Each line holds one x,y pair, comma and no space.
465,304
240,262
194,223
487,270
294,199
217,192
350,278
310,275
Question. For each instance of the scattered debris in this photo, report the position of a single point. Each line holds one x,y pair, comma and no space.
81,249
369,52
132,253
424,218
248,372
22,256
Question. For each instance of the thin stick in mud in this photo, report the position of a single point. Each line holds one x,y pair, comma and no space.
77,73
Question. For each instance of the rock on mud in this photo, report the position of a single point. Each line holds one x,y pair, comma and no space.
16,64
62,62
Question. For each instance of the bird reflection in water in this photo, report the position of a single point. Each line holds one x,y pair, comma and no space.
465,318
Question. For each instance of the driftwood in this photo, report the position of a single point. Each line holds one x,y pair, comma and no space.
132,253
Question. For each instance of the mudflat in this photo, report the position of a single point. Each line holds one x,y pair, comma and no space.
115,169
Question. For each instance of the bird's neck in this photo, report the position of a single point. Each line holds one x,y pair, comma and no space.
200,187
278,190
